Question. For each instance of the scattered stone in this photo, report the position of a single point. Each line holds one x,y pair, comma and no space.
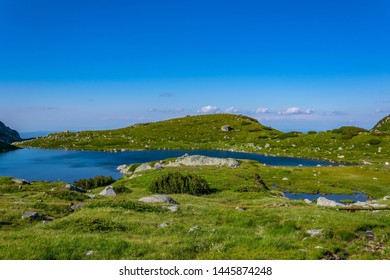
73,188
31,216
158,198
360,204
91,196
322,201
143,167
226,128
366,162
379,149
239,208
374,178
308,201
285,179
108,191
387,163
314,232
194,229
319,247
89,253
163,225
75,207
370,235
341,156
21,181
171,208
20,202
158,166
267,145
387,197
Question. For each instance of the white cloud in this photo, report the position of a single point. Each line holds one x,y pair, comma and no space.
262,111
209,109
231,110
168,111
387,110
296,111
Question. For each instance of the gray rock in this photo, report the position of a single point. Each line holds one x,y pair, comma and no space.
360,204
387,197
239,209
143,167
73,188
21,181
171,208
314,232
91,196
308,201
158,198
194,229
89,253
31,216
226,128
197,160
75,207
108,191
322,201
158,166
163,225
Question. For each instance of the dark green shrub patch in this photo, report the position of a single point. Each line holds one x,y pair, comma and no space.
127,205
95,182
176,182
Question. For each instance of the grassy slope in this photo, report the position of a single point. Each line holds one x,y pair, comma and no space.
204,132
123,228
383,125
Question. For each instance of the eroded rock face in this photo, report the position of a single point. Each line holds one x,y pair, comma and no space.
158,198
8,135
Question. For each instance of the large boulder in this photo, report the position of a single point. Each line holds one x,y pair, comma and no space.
197,160
158,198
31,216
226,128
108,191
143,167
73,188
322,201
21,181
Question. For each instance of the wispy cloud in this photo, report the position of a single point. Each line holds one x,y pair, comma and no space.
261,110
334,113
231,110
296,111
167,111
166,94
209,109
384,110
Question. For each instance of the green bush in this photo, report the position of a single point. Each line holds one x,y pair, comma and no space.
348,132
175,182
374,142
93,183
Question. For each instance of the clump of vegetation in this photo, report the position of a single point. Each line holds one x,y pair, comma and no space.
176,182
289,135
95,182
67,195
374,142
348,132
121,189
127,205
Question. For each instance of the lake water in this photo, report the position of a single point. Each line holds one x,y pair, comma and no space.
336,197
68,166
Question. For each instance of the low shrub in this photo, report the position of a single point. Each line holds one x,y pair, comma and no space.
176,182
95,182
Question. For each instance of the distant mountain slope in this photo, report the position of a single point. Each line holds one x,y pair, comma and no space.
383,125
8,135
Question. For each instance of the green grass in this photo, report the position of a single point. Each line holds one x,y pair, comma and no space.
121,227
346,144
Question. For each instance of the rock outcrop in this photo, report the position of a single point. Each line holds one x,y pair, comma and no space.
322,201
108,191
197,160
8,135
383,125
158,198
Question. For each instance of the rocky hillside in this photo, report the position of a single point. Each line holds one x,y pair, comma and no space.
8,135
383,125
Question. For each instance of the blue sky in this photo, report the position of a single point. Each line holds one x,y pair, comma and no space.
294,65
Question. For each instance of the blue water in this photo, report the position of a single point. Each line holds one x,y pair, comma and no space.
336,197
68,166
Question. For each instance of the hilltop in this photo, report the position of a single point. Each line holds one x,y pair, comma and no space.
383,125
228,132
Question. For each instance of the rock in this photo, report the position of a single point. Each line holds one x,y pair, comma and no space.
226,128
203,161
108,191
322,201
21,181
379,149
239,208
308,201
314,232
143,167
163,225
285,179
123,169
387,197
319,247
91,196
73,188
387,163
75,207
370,235
135,176
31,216
267,145
194,229
360,204
158,198
158,166
171,208
89,253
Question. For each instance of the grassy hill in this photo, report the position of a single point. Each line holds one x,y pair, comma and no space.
383,125
346,144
